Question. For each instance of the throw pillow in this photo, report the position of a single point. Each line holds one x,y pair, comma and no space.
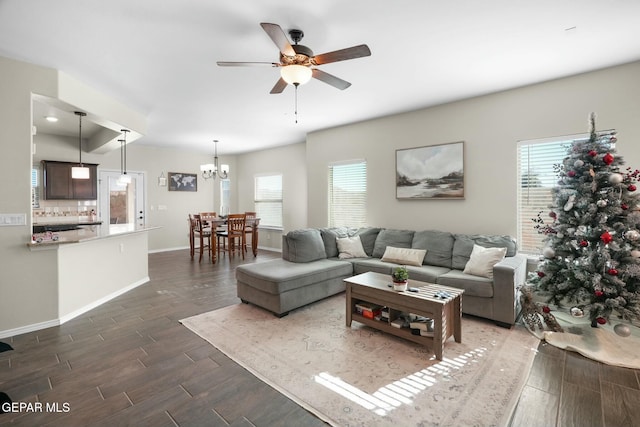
404,256
350,247
482,261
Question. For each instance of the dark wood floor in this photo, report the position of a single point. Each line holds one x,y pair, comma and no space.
129,362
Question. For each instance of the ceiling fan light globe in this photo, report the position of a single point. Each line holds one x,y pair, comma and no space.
296,74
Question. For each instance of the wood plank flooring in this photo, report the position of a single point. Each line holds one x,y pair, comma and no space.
129,362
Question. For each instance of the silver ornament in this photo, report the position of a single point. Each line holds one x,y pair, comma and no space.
548,253
635,253
615,178
622,330
576,312
601,203
632,235
578,163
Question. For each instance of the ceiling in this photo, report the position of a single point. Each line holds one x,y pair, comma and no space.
158,57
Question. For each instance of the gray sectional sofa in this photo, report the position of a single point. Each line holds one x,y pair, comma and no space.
311,269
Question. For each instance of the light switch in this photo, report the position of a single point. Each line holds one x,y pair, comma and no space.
13,219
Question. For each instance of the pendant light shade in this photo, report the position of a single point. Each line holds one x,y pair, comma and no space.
211,170
80,171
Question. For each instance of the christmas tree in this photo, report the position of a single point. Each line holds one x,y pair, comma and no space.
592,253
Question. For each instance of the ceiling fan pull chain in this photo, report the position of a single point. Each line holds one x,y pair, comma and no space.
296,100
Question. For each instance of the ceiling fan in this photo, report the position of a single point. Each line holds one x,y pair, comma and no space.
297,62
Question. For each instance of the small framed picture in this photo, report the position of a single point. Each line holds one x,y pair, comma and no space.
179,181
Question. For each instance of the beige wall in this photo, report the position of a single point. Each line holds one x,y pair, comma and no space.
490,126
290,161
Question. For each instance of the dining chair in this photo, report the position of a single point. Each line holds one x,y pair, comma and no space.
235,230
204,231
248,228
192,223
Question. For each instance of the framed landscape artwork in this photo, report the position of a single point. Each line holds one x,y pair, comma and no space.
431,172
183,181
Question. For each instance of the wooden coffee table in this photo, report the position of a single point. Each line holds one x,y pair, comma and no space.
374,288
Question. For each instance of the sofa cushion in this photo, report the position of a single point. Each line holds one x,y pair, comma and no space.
474,286
305,245
278,275
362,265
395,238
482,260
368,237
350,247
438,244
463,246
426,273
329,236
404,256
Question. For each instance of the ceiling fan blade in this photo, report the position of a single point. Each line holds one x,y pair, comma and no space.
342,54
279,38
330,79
279,87
246,64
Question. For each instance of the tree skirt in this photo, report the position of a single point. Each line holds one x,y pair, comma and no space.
362,377
601,343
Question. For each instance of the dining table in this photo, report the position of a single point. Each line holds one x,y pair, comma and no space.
214,223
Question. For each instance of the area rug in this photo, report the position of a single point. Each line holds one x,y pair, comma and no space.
359,376
601,343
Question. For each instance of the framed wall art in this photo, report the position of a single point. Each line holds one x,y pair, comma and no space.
430,172
179,181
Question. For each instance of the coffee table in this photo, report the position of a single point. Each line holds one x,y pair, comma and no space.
374,288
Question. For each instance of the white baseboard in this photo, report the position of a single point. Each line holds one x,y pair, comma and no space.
63,319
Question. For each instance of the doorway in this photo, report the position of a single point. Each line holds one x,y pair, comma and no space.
121,205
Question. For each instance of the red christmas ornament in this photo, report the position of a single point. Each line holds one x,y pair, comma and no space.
584,243
601,320
546,309
613,272
598,293
624,206
593,153
541,274
631,187
607,158
571,173
553,215
606,237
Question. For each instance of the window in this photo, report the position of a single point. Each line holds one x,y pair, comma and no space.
268,200
536,178
225,196
35,188
348,194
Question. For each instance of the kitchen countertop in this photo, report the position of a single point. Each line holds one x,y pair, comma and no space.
88,233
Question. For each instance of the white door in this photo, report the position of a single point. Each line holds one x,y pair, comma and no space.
121,205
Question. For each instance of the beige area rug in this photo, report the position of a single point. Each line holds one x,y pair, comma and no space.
601,343
361,377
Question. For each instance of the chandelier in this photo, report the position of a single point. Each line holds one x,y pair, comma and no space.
210,170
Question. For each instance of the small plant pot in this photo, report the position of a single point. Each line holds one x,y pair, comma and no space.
400,286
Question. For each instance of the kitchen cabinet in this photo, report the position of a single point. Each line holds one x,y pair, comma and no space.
58,184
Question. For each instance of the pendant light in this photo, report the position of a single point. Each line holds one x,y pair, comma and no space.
124,178
80,171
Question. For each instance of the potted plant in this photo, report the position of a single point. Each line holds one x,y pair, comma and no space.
400,278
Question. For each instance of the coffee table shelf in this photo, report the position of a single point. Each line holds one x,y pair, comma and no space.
373,288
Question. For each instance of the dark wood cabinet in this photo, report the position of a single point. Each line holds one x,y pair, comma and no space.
58,184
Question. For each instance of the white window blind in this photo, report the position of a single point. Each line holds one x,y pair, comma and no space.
225,196
536,178
35,189
348,194
268,200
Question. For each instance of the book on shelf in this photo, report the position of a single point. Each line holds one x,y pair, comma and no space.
422,323
398,323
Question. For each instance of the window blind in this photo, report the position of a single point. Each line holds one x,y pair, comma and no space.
536,178
348,194
268,200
